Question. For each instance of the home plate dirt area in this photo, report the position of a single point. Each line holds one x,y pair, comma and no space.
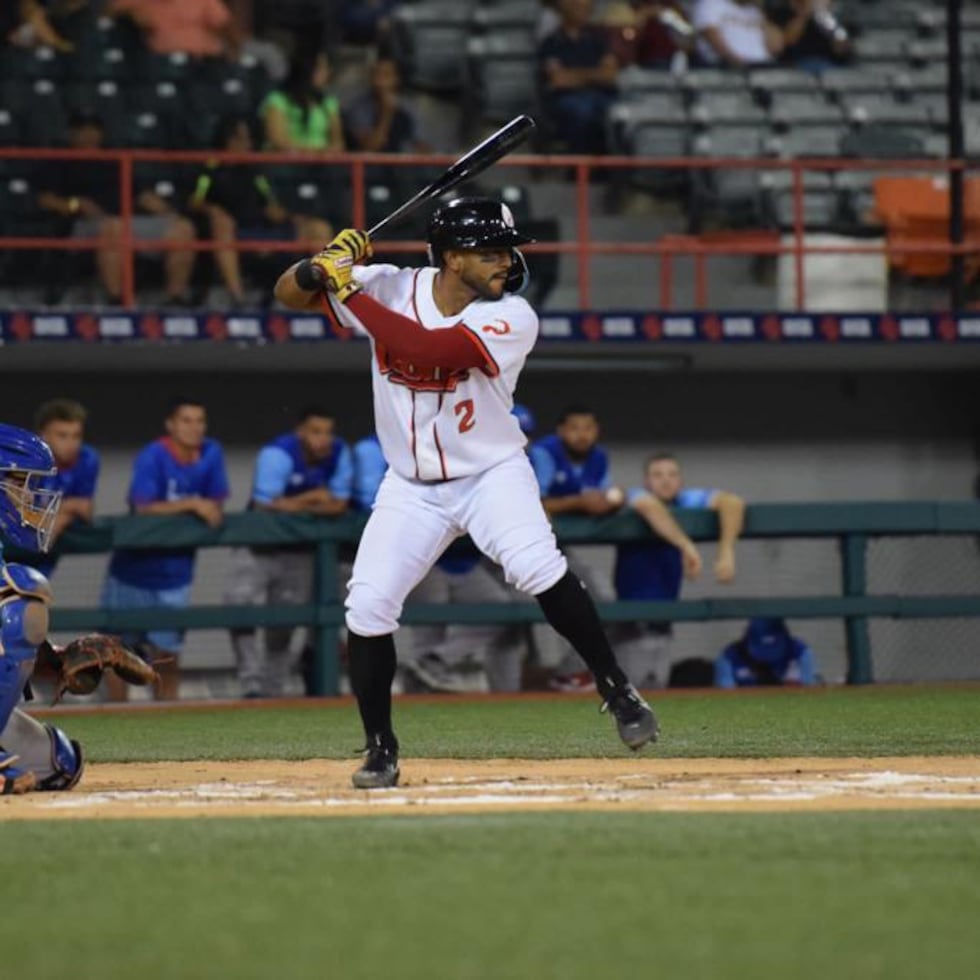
277,788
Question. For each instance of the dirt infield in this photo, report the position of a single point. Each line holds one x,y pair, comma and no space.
322,787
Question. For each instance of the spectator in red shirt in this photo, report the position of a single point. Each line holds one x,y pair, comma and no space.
200,28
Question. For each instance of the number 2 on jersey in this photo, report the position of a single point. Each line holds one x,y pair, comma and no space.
464,412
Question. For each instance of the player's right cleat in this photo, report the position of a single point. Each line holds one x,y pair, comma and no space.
380,769
636,722
14,779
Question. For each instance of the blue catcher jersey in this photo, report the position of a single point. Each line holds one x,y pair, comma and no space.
282,470
559,476
159,474
652,569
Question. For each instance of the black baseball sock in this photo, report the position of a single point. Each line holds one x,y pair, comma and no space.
570,610
372,669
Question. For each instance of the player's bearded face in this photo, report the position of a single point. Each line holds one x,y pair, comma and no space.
316,434
485,271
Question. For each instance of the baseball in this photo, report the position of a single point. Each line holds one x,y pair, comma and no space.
615,495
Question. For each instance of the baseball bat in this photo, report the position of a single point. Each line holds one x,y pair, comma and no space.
466,167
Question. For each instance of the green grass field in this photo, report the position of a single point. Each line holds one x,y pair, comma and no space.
585,895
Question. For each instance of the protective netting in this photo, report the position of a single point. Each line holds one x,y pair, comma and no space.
902,650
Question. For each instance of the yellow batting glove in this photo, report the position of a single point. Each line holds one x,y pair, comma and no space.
333,267
355,243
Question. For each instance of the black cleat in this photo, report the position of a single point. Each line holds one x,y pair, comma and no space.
380,769
636,722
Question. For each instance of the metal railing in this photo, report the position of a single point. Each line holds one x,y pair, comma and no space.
854,525
583,247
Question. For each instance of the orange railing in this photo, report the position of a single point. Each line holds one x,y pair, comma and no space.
668,249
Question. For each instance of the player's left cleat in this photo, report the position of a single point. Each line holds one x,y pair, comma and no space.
380,769
637,724
14,779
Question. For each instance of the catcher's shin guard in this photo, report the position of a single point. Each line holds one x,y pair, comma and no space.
67,762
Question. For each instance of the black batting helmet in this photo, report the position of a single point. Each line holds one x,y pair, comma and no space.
478,222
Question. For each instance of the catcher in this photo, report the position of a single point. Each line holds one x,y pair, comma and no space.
34,756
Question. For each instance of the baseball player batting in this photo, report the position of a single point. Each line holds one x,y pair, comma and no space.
448,345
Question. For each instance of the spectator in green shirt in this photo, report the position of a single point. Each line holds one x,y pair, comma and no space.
302,114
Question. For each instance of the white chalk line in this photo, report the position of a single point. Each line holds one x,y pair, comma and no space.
474,791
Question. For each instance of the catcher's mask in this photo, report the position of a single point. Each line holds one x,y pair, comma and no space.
27,509
479,222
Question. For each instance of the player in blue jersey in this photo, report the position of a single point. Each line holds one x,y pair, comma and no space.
61,424
33,756
654,568
574,478
183,472
573,469
767,654
307,471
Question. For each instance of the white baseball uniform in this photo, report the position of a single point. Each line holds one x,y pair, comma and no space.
455,454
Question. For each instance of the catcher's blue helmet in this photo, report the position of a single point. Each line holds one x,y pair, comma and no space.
27,509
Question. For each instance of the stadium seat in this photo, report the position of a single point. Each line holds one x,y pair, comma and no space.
177,67
503,79
510,23
736,107
810,141
882,143
920,81
146,131
635,82
10,128
845,81
821,200
732,191
655,127
429,42
105,100
44,117
796,108
770,84
31,63
89,63
883,110
884,45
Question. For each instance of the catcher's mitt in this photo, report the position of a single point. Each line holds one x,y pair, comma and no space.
79,665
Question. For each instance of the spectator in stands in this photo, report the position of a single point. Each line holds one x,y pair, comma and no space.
653,569
302,114
813,37
61,424
27,24
767,654
572,470
662,32
239,203
307,471
183,472
86,195
379,122
735,34
367,21
579,78
199,28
